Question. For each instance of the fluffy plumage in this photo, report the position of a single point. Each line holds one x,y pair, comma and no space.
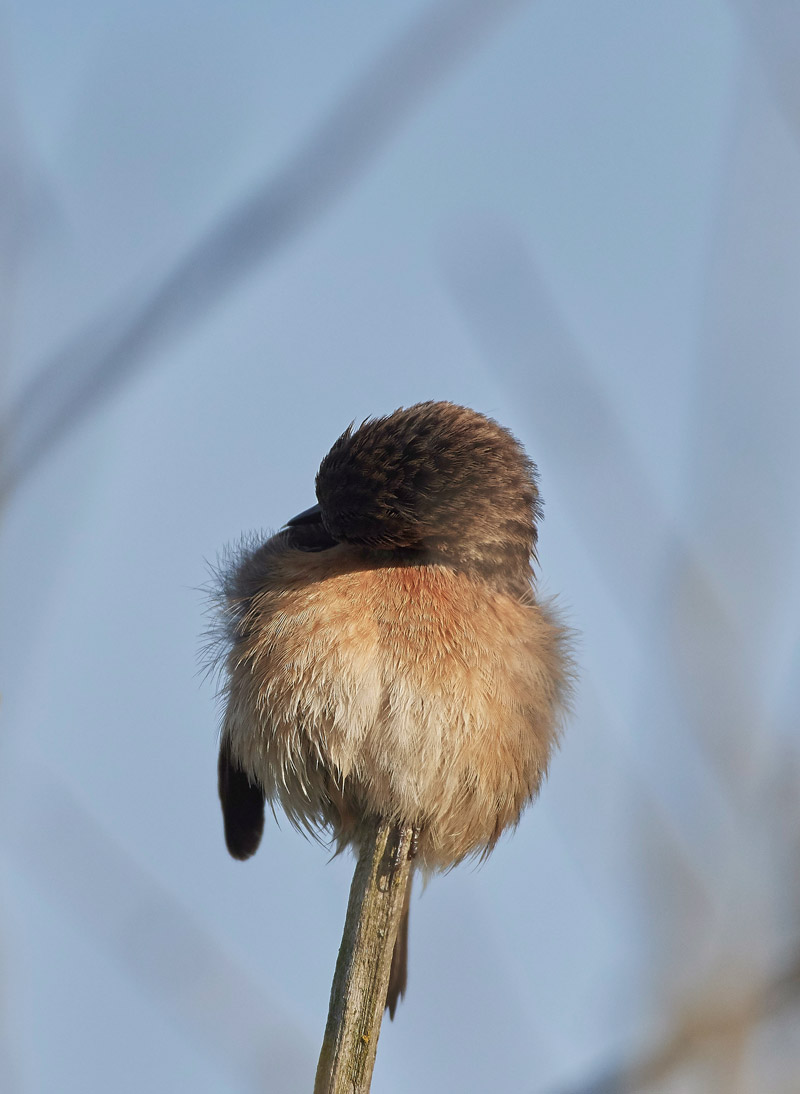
386,651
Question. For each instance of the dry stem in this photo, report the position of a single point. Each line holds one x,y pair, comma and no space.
358,995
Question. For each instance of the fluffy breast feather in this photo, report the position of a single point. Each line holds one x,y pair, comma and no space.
357,688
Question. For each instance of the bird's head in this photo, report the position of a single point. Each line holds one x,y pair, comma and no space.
434,480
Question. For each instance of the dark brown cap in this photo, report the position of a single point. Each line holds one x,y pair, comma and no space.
434,478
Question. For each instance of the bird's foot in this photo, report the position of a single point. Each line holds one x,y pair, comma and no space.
413,847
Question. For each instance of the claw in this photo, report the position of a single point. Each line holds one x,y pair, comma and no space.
413,847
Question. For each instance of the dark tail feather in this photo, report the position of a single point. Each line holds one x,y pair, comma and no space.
398,977
242,806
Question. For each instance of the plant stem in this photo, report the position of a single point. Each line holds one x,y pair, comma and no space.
358,994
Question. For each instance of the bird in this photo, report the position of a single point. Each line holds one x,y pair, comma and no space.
385,654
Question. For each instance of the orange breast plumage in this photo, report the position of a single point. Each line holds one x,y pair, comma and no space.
359,686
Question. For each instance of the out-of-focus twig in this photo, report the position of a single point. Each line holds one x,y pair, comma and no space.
506,305
158,941
697,1031
772,27
100,357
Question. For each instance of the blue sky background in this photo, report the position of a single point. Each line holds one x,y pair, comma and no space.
584,222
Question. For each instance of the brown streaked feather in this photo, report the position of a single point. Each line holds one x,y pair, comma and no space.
438,481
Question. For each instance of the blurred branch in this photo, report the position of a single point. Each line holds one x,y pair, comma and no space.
698,799
772,28
158,941
730,1021
96,362
637,554
507,306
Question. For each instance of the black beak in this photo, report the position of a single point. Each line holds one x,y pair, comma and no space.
308,516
